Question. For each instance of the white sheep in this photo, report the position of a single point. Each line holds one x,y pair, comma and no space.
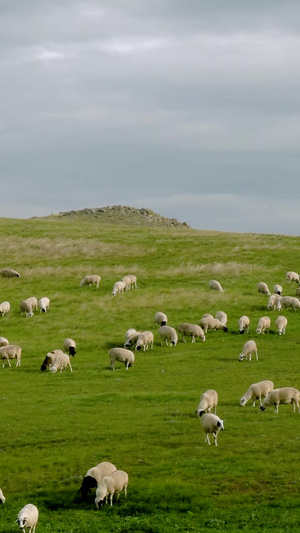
168,335
248,349
211,424
26,308
28,517
94,476
292,276
127,282
129,332
9,273
288,301
207,315
208,322
2,497
3,341
33,302
132,339
69,345
122,356
191,330
49,359
90,280
133,281
56,360
256,391
273,300
263,288
263,325
4,308
215,285
281,323
11,351
277,289
44,304
284,395
112,484
145,339
220,315
208,400
118,287
160,318
244,323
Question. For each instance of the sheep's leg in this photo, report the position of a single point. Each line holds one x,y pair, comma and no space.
125,490
276,407
215,434
111,499
70,367
207,439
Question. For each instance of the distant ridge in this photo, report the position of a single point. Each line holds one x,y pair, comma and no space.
120,214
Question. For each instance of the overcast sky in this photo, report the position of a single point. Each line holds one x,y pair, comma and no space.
190,108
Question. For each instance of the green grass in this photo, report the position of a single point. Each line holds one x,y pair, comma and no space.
55,427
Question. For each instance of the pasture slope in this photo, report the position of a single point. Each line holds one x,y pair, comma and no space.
56,426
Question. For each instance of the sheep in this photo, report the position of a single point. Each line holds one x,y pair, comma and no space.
288,301
94,476
248,349
256,391
93,279
44,304
4,308
281,323
191,330
277,289
28,517
112,484
263,288
127,282
168,335
2,497
11,351
220,315
284,395
263,325
273,300
132,339
208,400
122,355
207,315
145,339
56,360
292,276
244,323
133,281
211,424
160,319
26,308
118,287
207,323
69,345
49,359
33,302
9,273
129,332
3,341
215,285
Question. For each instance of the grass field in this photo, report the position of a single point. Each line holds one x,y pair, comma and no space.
54,427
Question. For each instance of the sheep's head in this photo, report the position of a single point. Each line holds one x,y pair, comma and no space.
241,357
220,424
243,401
262,408
22,522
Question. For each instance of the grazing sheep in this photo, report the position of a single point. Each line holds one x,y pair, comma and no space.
11,351
145,340
49,359
33,302
112,484
2,497
273,300
220,315
292,276
129,332
160,318
208,400
122,355
4,308
263,288
127,283
133,281
248,349
26,308
56,360
263,325
191,330
132,339
94,476
28,517
207,323
215,285
288,301
277,289
9,273
44,304
69,345
207,315
168,335
256,391
3,341
118,287
244,323
284,395
281,323
90,280
211,424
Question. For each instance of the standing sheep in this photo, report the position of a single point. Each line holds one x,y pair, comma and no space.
118,287
133,281
292,276
9,273
93,279
211,424
122,355
277,289
281,323
220,315
28,517
4,308
263,325
168,335
11,351
94,476
56,360
207,323
284,395
256,391
263,288
215,285
244,323
44,304
69,345
191,330
160,318
33,302
112,484
208,401
127,283
145,339
248,349
273,300
132,339
288,301
26,308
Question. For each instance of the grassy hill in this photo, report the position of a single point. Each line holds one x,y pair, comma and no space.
54,427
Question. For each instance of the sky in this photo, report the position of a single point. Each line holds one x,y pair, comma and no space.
190,108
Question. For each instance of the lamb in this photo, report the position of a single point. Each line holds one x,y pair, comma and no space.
11,351
93,279
282,396
26,308
248,349
281,323
256,391
191,330
211,424
277,289
263,325
168,335
220,315
122,355
9,273
2,497
244,323
288,301
69,345
132,339
160,318
208,400
292,276
145,340
112,484
263,288
3,341
94,476
28,517
118,287
207,323
33,302
215,285
44,304
273,300
56,360
4,308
